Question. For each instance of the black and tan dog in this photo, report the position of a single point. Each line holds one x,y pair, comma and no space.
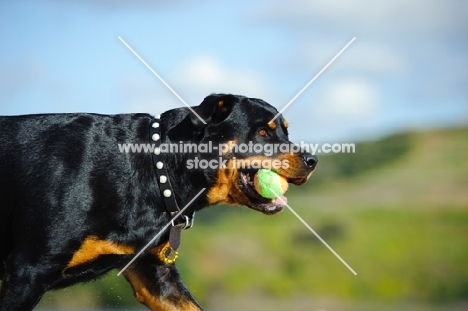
73,206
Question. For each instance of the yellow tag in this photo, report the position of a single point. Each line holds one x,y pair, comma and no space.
168,255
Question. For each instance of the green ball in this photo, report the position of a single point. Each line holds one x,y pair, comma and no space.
270,184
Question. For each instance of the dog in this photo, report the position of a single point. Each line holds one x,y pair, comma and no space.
73,206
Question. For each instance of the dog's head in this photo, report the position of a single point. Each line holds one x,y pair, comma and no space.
244,139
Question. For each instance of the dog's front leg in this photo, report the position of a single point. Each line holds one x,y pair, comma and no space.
158,286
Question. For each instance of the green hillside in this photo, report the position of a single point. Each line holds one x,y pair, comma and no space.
396,211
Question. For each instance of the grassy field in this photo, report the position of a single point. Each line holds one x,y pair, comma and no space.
396,212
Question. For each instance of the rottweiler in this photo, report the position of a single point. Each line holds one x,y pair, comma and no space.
74,204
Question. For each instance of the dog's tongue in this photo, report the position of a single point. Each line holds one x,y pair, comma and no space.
281,200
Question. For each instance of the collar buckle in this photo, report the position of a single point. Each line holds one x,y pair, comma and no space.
189,222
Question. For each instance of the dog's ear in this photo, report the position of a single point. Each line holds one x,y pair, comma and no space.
214,109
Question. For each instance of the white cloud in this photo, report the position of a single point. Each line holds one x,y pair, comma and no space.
404,16
371,58
193,80
412,51
203,71
203,75
352,99
345,108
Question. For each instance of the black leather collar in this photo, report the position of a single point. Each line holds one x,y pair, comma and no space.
165,188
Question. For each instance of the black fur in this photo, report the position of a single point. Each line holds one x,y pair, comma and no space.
63,180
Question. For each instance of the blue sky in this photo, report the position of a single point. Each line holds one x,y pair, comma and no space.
408,67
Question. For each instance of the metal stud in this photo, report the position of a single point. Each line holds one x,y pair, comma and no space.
167,193
155,125
157,151
159,165
162,179
155,137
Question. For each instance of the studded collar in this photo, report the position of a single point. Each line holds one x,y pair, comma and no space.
165,187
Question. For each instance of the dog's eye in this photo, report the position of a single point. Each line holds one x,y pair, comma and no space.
263,133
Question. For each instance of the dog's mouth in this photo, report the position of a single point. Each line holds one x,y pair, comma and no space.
235,185
256,201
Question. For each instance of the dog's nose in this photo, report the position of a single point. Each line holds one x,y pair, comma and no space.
310,160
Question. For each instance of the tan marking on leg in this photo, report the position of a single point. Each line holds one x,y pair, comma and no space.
144,296
92,247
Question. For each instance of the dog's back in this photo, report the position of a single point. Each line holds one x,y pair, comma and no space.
49,166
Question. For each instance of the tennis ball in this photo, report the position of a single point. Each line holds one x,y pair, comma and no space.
269,184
